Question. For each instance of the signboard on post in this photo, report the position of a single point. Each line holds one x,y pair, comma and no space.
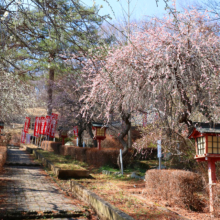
159,152
26,124
121,160
159,149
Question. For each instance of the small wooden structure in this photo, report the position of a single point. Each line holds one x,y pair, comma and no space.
64,135
100,132
207,143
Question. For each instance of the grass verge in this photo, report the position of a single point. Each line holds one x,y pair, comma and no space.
63,162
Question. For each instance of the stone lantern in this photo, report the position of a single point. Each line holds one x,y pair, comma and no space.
207,143
100,131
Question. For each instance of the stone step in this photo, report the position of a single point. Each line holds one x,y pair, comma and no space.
21,164
61,214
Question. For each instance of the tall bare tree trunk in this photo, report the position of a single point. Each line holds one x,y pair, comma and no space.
50,91
80,137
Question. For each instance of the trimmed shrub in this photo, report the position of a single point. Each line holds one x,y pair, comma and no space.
51,146
111,142
15,139
4,140
95,157
3,156
91,156
66,150
216,198
176,186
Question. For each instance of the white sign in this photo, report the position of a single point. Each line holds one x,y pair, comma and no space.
159,149
121,161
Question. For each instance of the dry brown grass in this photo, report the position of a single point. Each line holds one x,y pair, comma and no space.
216,193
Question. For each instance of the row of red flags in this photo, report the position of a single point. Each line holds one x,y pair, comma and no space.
43,126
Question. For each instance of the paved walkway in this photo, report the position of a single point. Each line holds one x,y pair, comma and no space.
18,156
28,188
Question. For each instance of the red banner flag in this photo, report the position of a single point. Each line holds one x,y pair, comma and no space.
55,116
39,125
36,125
23,137
53,124
43,125
26,124
47,128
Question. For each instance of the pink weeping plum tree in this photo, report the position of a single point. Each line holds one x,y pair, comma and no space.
170,65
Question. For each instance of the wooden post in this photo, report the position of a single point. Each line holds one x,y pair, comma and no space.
99,144
212,179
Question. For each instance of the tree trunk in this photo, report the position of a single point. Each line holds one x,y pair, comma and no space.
125,118
80,138
89,126
129,137
81,128
50,92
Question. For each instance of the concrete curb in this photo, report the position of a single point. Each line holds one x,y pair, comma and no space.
28,149
46,162
105,210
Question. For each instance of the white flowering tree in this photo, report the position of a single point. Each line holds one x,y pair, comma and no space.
14,96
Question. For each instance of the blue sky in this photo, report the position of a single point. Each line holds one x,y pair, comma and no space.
140,8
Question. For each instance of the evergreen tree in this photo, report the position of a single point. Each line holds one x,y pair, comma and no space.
46,33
